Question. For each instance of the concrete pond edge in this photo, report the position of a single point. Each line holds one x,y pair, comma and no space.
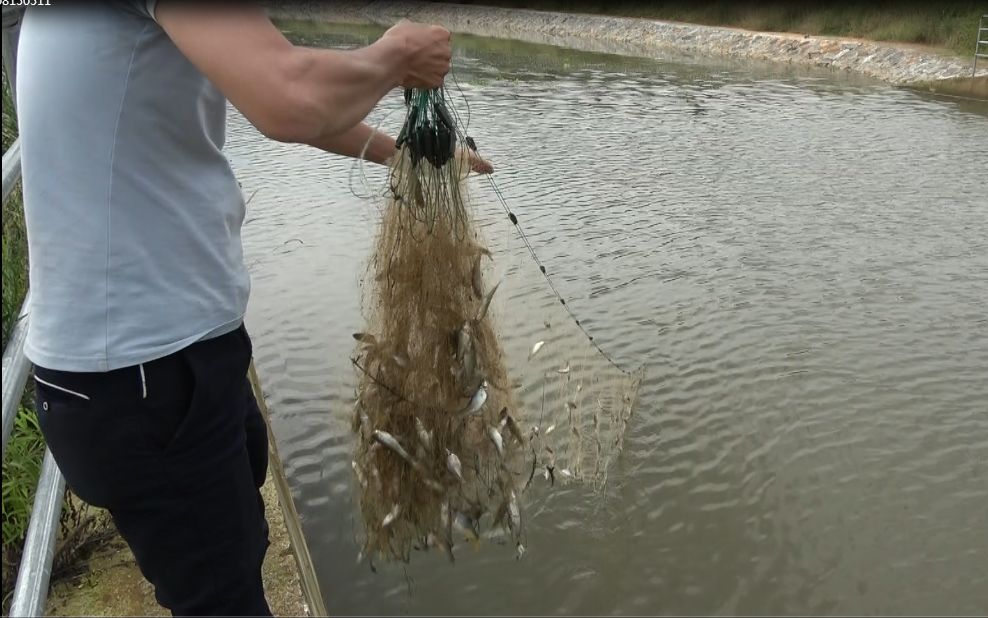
899,65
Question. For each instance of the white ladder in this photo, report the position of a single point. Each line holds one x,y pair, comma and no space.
981,47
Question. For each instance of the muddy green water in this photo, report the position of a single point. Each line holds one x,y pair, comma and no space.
801,260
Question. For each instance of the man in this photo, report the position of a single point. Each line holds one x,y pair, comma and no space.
138,281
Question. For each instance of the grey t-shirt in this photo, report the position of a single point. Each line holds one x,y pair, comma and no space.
133,213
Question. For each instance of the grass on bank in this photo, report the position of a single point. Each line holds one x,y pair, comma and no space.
948,25
22,457
14,239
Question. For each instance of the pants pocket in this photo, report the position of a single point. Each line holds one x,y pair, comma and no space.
168,406
55,391
83,439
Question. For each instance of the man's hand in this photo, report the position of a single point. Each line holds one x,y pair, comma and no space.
479,165
427,50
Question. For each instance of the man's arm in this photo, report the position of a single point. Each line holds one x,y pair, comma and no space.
380,147
299,94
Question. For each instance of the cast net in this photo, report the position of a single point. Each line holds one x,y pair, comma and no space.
445,452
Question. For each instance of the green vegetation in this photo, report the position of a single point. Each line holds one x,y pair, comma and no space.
21,466
14,240
948,25
22,459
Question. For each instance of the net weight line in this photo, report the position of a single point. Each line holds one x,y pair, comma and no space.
471,143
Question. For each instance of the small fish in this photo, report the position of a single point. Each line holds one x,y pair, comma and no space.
496,438
391,516
467,527
453,464
468,370
476,279
499,514
475,248
565,473
549,429
514,513
365,425
466,354
434,485
464,340
424,436
361,479
546,473
386,439
579,387
444,515
477,401
564,369
520,551
515,431
365,338
434,540
535,349
487,302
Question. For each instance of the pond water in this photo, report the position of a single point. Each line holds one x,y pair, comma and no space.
799,258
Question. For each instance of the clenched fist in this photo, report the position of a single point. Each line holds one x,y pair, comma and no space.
427,53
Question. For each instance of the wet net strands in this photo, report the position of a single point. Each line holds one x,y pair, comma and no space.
443,448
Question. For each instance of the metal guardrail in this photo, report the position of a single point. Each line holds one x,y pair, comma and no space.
15,365
34,574
15,371
11,167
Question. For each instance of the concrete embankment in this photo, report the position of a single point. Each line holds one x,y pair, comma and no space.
901,65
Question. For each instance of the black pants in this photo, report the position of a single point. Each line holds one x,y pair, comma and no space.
176,451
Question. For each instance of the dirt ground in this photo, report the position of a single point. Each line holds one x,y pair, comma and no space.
113,585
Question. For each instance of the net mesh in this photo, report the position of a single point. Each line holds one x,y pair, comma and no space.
444,450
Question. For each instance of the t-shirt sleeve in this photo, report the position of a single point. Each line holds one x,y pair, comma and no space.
144,7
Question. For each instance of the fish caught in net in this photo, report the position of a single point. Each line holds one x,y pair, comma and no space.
444,449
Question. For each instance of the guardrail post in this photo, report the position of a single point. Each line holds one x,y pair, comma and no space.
34,575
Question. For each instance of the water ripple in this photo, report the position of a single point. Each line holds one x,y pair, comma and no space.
800,259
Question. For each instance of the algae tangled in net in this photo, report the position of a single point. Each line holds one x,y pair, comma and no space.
439,444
